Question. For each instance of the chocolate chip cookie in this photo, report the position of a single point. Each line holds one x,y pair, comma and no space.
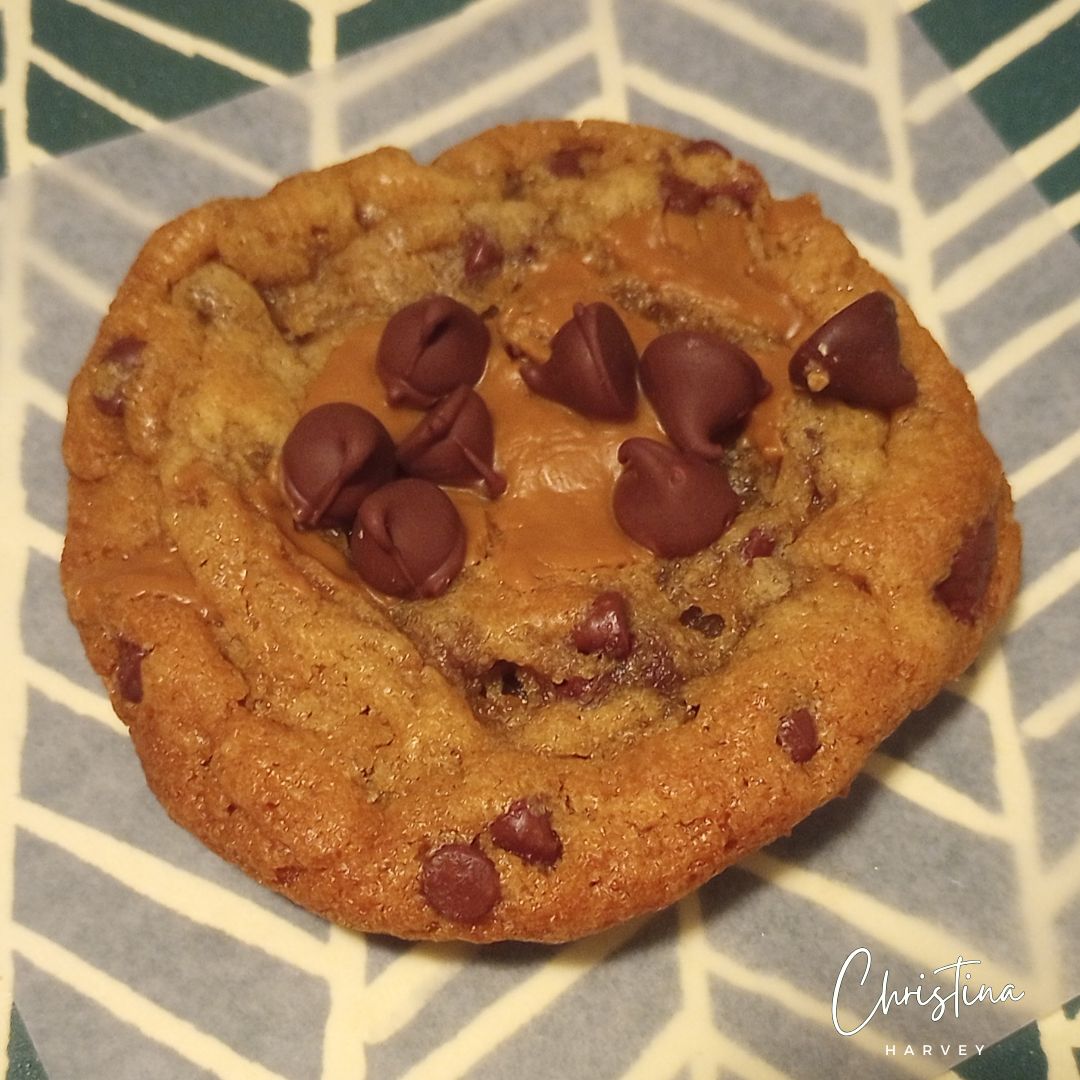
501,547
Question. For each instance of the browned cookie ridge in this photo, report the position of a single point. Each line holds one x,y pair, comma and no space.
501,547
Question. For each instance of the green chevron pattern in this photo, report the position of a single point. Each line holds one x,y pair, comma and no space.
78,72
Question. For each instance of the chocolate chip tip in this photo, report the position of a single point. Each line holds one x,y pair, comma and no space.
592,368
524,829
460,882
335,456
428,348
671,502
855,357
409,540
128,669
702,387
605,627
797,735
963,591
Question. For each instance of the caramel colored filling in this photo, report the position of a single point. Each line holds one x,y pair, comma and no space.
709,254
556,514
763,425
560,467
155,571
266,495
546,299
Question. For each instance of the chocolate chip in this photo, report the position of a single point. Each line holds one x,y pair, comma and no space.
669,501
460,882
111,376
513,185
367,216
582,690
819,500
743,190
335,456
454,444
524,829
707,624
128,670
797,734
566,161
605,629
700,386
969,575
706,146
758,544
855,357
593,365
658,669
482,254
682,196
428,348
408,540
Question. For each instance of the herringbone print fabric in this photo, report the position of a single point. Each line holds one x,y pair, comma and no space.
137,954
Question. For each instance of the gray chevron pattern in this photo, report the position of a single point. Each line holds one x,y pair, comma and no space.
135,953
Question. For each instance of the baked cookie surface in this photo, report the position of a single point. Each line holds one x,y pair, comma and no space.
647,511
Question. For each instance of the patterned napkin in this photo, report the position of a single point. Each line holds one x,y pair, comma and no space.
135,953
